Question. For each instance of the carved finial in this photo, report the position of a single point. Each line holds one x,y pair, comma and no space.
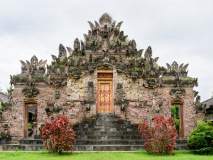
133,44
62,51
34,60
175,66
148,53
156,59
54,57
23,63
76,45
70,51
118,26
91,25
185,67
105,18
96,24
82,46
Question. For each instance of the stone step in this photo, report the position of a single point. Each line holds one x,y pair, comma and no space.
103,137
108,147
181,141
110,142
118,141
30,147
109,133
99,121
110,125
107,129
31,141
23,147
105,115
181,147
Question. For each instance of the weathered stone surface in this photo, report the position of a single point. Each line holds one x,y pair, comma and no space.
141,88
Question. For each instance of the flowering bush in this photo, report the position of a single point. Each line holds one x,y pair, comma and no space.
161,138
59,135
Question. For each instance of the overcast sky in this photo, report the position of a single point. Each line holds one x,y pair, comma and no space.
177,30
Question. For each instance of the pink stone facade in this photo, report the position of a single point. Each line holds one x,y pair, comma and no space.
141,88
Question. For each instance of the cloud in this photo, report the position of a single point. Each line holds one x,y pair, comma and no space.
177,30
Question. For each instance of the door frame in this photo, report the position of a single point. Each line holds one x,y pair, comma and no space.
27,102
109,80
181,122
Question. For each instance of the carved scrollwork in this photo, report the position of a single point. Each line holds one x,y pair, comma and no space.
52,107
178,93
151,83
30,91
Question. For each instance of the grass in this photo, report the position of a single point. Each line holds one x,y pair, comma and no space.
43,155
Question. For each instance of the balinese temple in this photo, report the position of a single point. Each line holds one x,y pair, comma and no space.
102,78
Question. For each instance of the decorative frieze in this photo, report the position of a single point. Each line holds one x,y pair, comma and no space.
178,93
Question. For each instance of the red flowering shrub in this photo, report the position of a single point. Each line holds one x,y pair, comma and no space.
161,138
59,135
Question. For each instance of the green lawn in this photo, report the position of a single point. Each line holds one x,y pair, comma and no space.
180,155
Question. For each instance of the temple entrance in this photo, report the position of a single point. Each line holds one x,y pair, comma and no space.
105,92
30,120
177,114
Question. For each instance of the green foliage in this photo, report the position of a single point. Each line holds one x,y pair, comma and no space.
39,79
175,114
10,88
62,62
135,69
188,80
0,108
70,57
127,40
52,66
62,66
201,139
147,65
168,80
29,126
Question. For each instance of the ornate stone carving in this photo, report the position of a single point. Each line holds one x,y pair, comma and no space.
157,102
62,52
120,101
75,72
76,45
176,70
52,108
34,66
151,83
30,92
178,93
57,94
58,81
199,106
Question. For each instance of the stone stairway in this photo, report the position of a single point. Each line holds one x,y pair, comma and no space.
106,133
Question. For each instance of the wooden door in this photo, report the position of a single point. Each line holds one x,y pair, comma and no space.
30,128
105,94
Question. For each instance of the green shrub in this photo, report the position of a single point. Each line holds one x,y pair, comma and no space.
201,139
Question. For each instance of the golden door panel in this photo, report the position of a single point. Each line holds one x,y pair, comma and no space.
105,97
105,75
